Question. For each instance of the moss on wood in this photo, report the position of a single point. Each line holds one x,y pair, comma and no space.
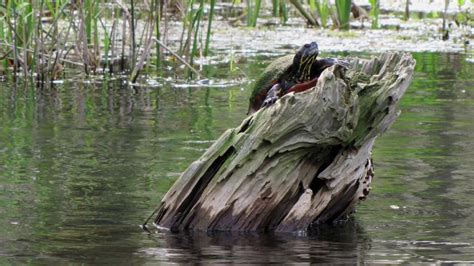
303,161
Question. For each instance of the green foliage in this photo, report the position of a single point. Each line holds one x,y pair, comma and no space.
19,18
275,7
302,10
4,62
279,9
157,8
312,5
374,13
249,12
253,9
106,43
91,9
209,27
343,8
191,22
324,11
283,11
196,23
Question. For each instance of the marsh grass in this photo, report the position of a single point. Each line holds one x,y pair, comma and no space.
323,9
103,37
39,39
343,8
253,7
374,12
209,27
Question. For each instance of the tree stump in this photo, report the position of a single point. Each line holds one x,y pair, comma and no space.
302,161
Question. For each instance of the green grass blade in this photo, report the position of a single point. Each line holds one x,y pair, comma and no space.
196,24
249,12
283,11
343,13
275,9
256,12
209,27
158,33
374,13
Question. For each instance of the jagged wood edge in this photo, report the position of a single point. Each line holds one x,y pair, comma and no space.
299,162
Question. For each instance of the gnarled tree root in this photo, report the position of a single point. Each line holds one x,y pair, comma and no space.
302,161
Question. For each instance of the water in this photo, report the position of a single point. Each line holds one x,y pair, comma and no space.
82,165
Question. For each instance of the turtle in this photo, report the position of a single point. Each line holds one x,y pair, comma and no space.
290,73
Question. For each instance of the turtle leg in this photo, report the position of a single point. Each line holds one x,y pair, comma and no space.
272,95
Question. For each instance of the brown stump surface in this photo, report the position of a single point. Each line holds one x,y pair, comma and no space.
304,160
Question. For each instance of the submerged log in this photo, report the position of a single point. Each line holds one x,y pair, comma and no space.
302,161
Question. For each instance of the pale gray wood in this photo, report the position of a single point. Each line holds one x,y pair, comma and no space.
302,161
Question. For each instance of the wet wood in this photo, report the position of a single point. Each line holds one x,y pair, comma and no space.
303,161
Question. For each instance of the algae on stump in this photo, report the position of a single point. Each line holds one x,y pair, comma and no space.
302,161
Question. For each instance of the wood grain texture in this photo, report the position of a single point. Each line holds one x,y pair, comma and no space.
303,161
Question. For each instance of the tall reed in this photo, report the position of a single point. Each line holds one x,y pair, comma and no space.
343,8
132,31
256,12
147,44
308,16
4,52
323,10
158,8
283,11
275,7
406,16
249,12
196,26
374,12
209,27
19,19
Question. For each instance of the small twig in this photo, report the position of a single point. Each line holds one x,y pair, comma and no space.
6,54
143,226
178,57
47,55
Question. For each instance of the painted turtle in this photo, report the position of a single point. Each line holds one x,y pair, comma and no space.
291,73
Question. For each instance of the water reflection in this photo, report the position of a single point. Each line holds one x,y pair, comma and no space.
347,243
81,165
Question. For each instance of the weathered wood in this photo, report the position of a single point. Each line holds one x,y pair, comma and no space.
302,161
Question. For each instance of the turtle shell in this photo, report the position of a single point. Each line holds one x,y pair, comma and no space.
272,73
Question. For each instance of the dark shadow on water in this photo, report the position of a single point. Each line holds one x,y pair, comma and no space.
346,243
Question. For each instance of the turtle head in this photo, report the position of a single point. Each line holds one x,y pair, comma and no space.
303,60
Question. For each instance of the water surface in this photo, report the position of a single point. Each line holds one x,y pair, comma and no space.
82,165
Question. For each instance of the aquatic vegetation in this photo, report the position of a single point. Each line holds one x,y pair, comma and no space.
253,9
324,10
209,27
283,11
343,8
321,11
308,16
374,12
41,39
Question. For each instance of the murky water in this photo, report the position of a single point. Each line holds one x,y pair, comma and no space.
82,165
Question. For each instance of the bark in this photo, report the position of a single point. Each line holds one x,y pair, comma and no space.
303,161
